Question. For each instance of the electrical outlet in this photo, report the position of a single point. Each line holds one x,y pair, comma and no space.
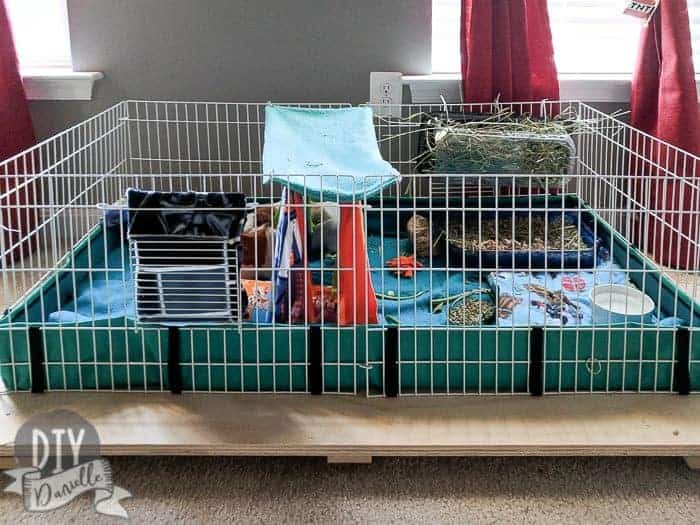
386,93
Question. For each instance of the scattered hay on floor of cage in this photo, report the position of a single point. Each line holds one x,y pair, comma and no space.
526,234
468,308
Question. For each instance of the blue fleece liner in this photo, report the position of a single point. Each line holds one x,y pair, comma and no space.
430,284
325,154
407,300
551,299
543,259
557,299
107,295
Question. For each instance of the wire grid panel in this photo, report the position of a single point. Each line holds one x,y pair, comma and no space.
205,285
68,285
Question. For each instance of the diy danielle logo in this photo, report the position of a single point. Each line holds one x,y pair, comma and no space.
58,456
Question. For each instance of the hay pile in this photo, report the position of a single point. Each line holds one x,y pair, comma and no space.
501,144
525,234
471,312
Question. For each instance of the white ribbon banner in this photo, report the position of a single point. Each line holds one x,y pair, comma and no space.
52,492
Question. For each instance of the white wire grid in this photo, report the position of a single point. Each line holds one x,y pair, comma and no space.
166,289
55,197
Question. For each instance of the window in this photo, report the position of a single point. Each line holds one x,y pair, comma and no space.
590,36
40,31
42,39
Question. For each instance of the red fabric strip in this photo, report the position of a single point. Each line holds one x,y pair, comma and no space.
357,302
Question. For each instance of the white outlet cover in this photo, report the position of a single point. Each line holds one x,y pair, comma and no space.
386,93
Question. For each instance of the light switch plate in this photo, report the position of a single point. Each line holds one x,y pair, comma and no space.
386,93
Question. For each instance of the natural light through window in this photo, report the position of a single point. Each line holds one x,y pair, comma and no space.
40,31
590,36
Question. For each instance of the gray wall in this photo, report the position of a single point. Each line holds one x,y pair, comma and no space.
238,50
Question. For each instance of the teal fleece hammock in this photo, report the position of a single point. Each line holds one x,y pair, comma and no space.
325,154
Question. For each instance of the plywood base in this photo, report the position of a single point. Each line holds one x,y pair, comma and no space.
7,463
348,429
355,459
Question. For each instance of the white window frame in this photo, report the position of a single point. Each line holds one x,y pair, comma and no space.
426,89
57,79
588,87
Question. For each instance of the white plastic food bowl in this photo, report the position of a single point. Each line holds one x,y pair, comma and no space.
618,303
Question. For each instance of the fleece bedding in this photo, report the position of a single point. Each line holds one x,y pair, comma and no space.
408,300
97,286
105,295
109,294
559,299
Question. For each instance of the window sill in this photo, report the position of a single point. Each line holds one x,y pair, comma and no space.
59,84
427,89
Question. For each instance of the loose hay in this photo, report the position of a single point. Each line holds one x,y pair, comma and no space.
471,312
536,234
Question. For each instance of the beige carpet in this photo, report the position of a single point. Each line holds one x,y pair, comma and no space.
507,490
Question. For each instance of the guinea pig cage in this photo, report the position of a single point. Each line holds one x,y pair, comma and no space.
505,248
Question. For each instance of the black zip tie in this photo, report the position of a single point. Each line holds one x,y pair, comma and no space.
682,371
315,370
536,361
174,371
36,357
391,362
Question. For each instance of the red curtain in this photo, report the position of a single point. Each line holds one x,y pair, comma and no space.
664,104
507,50
16,134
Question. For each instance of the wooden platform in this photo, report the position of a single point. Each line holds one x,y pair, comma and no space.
350,429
